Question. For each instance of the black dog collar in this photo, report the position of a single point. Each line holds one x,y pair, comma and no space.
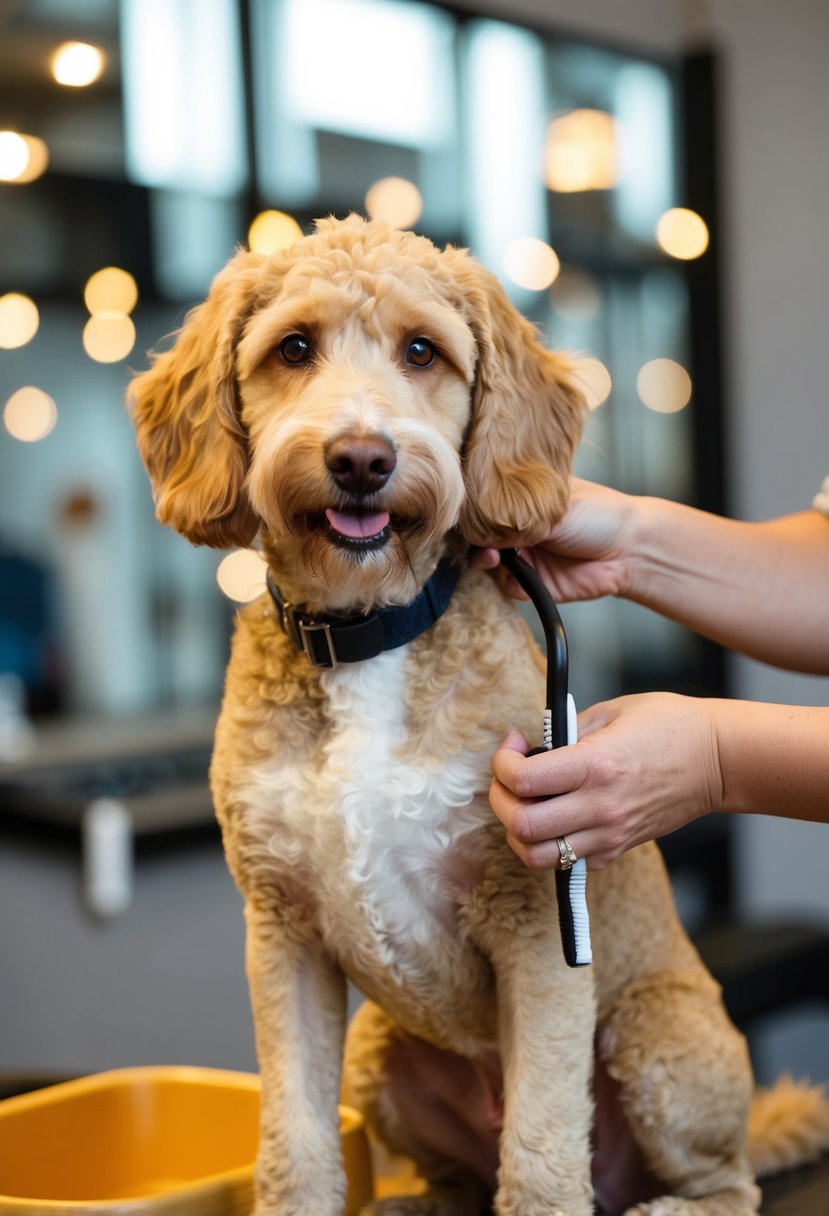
334,639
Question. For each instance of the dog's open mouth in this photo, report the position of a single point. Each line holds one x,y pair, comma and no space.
358,530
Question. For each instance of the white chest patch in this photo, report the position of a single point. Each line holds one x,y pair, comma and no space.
385,847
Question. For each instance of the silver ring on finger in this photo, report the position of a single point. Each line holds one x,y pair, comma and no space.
567,858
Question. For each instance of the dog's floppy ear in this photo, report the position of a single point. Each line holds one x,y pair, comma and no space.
184,410
526,419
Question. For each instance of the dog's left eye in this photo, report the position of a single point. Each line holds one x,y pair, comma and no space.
295,349
420,352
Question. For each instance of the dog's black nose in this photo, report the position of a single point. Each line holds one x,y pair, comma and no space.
360,464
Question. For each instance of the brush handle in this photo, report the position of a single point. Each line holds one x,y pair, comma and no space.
571,890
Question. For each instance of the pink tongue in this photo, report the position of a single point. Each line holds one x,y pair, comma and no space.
357,526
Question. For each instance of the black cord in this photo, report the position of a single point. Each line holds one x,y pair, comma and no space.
558,666
557,682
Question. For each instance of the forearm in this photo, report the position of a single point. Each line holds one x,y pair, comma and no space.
774,759
758,588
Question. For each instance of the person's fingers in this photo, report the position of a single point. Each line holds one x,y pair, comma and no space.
485,559
544,854
533,828
533,822
596,832
541,776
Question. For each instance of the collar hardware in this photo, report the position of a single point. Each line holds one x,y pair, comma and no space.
328,641
307,629
302,630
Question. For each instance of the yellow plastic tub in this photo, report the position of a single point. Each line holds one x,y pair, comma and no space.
160,1141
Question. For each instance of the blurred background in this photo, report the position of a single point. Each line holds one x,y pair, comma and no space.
648,180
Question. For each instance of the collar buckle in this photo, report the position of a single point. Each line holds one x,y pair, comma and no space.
302,631
337,640
306,630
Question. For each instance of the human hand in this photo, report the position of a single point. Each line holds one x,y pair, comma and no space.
586,554
644,765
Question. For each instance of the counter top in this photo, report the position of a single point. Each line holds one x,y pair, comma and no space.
79,740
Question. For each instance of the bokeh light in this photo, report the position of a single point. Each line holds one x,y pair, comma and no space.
396,201
241,575
108,337
111,290
23,158
272,230
531,263
580,153
14,155
19,320
593,378
29,414
576,296
682,233
77,64
664,386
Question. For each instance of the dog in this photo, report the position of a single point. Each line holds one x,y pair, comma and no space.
370,406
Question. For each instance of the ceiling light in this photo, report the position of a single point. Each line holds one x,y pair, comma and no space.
111,290
30,414
272,230
682,233
581,152
664,386
23,158
241,575
396,201
19,320
531,263
108,337
77,64
593,378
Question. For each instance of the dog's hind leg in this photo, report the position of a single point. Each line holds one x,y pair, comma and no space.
685,1087
425,1104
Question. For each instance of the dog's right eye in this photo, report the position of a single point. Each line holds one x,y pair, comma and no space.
294,350
420,352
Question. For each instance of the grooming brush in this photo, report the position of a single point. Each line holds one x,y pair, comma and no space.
559,730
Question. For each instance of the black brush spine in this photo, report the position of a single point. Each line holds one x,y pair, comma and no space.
558,676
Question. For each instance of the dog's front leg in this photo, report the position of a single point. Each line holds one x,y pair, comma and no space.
546,1017
546,1020
299,1007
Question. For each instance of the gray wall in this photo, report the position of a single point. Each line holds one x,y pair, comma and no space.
163,983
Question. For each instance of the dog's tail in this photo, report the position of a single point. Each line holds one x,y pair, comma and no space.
788,1125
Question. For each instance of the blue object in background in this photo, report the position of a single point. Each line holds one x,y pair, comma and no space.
28,633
